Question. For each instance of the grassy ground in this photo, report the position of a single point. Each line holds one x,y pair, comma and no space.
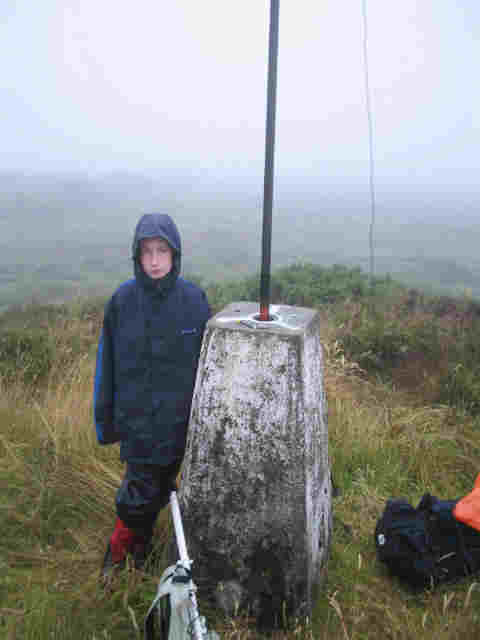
58,488
381,447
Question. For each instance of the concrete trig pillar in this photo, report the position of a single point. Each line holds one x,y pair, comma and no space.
256,489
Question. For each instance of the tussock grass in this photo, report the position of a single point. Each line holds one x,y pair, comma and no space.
381,446
58,488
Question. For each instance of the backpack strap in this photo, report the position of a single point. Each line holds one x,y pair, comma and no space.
444,510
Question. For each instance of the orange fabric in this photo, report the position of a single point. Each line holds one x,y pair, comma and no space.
467,510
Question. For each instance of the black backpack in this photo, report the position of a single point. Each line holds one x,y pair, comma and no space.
426,546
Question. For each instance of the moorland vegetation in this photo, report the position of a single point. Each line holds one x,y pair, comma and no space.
403,391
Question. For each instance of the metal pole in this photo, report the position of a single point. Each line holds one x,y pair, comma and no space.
196,621
269,156
179,533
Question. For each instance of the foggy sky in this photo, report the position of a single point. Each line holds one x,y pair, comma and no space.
90,86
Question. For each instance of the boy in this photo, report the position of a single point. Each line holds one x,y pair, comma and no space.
146,366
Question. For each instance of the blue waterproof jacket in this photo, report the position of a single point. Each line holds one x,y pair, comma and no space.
148,355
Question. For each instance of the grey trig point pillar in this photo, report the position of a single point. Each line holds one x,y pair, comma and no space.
256,489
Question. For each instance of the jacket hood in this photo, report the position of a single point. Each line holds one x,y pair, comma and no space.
157,225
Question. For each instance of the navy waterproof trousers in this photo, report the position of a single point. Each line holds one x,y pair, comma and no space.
144,491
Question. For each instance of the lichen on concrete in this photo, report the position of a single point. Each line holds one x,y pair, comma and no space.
255,490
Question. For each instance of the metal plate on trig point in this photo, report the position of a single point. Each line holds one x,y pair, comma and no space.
246,315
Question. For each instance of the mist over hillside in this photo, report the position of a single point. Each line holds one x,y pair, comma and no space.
61,235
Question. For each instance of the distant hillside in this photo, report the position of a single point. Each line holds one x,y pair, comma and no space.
61,236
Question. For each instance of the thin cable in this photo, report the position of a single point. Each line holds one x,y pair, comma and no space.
370,143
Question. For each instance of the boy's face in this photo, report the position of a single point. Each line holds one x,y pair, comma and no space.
156,257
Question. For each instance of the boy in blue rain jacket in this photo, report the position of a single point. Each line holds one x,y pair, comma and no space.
146,366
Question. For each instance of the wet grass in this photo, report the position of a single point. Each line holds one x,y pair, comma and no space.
58,489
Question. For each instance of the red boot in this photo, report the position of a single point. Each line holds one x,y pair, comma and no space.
121,542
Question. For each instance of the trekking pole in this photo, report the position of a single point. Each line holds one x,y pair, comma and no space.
199,632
